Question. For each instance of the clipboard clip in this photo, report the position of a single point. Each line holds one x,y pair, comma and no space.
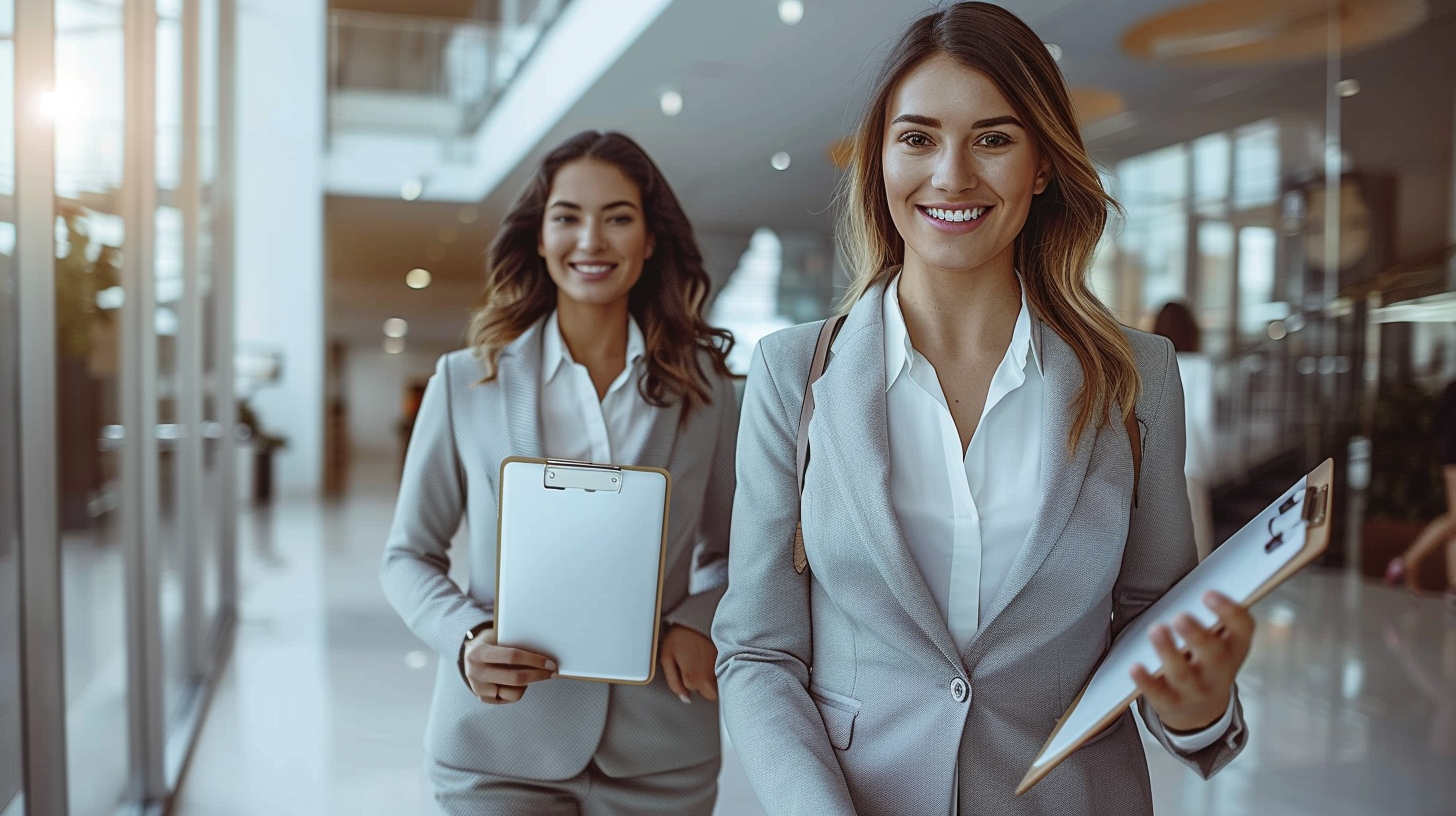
569,474
1312,507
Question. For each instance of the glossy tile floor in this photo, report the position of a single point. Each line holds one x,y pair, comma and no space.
1350,691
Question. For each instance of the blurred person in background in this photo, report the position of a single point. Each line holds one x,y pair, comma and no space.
1175,321
974,522
1441,531
589,343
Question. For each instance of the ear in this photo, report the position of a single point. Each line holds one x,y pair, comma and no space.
1043,176
651,246
540,244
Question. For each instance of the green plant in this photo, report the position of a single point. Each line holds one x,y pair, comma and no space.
78,279
1405,478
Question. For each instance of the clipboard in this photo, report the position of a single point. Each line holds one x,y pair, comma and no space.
1284,538
580,557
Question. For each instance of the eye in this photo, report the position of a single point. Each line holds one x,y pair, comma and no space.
915,139
564,219
620,219
995,140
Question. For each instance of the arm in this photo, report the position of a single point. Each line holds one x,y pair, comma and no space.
416,568
763,624
415,571
1160,551
710,556
687,653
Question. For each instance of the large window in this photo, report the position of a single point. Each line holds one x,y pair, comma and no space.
11,760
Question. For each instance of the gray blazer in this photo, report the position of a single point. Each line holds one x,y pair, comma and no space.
842,689
463,431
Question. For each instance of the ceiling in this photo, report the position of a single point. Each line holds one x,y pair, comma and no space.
753,86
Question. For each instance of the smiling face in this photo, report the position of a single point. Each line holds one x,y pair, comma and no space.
593,235
960,168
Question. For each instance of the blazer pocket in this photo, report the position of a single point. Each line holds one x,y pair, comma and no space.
838,713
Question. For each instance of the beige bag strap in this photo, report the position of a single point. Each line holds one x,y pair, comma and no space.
816,370
806,412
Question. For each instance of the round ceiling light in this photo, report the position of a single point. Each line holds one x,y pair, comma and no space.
396,327
671,103
780,161
412,190
418,278
1240,32
791,11
1096,104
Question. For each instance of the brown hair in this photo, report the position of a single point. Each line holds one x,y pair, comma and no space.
1055,247
1175,322
667,301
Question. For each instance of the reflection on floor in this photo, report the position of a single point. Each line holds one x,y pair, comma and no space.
1350,692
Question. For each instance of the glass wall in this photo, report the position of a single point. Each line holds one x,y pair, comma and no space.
90,134
11,757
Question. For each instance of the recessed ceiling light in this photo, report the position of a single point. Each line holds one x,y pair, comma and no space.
394,345
417,278
671,102
1055,50
411,190
1348,87
791,11
396,327
780,161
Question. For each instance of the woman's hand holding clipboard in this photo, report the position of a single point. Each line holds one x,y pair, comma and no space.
1279,542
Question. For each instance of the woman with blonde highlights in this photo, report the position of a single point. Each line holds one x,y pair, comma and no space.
589,344
976,523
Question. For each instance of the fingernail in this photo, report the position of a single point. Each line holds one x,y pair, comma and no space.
686,699
551,665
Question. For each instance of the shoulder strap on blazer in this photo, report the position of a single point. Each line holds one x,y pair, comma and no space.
1136,440
816,369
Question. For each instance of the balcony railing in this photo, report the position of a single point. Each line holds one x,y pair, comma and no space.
393,73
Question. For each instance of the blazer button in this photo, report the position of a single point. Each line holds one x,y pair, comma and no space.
959,691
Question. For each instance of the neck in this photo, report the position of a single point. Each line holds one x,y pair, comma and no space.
595,334
959,309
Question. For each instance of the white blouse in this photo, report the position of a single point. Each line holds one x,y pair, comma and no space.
577,425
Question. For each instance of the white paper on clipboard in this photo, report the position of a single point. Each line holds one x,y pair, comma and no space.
1277,543
580,565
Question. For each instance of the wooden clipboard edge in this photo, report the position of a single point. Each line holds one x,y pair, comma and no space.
1314,544
661,560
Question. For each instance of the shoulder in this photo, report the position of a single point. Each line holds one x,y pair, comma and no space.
1152,352
789,352
459,370
1157,367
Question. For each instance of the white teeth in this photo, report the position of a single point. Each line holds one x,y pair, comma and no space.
956,216
593,269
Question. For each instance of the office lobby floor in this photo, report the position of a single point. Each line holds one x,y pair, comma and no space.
1350,691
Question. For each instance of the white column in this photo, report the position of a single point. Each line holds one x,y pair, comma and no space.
279,272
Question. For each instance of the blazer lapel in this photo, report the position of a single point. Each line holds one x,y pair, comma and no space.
520,383
1062,472
849,435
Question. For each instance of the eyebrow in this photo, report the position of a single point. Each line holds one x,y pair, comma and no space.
570,205
926,121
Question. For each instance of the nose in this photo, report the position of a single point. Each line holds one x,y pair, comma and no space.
590,239
955,172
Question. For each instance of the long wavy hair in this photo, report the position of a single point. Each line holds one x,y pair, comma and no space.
667,301
1055,247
